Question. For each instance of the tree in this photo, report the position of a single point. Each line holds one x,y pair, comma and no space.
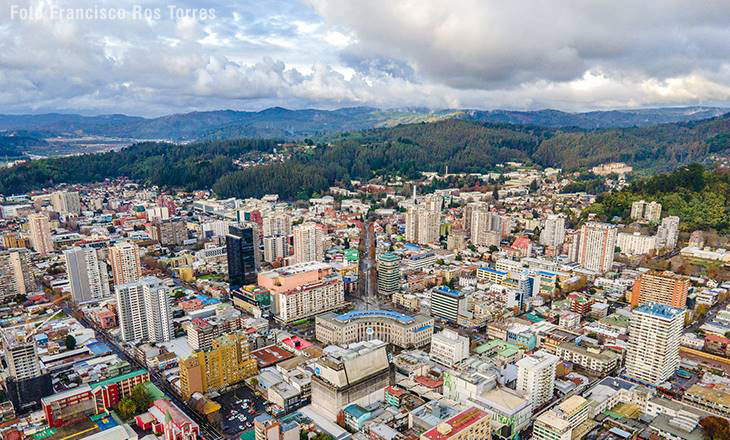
70,342
126,408
716,428
141,398
533,186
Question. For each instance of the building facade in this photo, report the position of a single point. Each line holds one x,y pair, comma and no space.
385,325
88,276
597,244
125,262
144,311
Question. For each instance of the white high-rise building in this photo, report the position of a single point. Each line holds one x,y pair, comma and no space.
486,228
276,247
40,233
655,330
635,244
536,377
276,223
597,246
308,243
422,223
125,262
667,233
553,232
66,202
87,274
449,348
650,212
144,311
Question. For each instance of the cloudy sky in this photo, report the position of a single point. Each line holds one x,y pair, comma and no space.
570,55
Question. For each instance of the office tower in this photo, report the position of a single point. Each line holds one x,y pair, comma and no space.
358,373
66,202
665,288
536,377
40,233
276,247
652,355
87,274
448,348
243,255
445,303
303,290
388,273
125,262
16,273
553,232
597,246
276,224
667,233
227,362
144,311
308,243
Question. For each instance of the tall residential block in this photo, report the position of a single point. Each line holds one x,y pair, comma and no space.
667,233
422,225
87,274
40,233
125,262
16,273
666,288
597,246
536,377
655,330
66,202
144,311
553,231
308,243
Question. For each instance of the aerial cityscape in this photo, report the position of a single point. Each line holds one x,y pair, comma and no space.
345,220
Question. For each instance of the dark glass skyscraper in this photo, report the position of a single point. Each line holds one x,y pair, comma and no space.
241,250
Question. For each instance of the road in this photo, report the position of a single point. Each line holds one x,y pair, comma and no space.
709,316
207,431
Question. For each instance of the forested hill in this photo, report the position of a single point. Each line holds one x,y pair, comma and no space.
405,149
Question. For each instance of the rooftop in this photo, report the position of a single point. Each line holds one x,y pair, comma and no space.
456,424
358,314
660,310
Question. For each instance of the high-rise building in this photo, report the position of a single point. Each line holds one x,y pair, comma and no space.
243,255
651,212
144,311
125,262
228,362
66,202
456,240
667,233
16,273
536,377
276,247
308,243
449,348
21,354
168,232
553,232
597,246
469,210
40,233
666,288
276,224
655,331
487,228
388,273
445,303
87,274
422,225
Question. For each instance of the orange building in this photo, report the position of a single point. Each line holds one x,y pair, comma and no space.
666,288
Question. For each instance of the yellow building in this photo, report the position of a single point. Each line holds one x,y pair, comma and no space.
185,273
228,362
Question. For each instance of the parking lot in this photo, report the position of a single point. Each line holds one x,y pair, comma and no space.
236,418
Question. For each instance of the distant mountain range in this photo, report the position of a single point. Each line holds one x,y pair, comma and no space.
282,123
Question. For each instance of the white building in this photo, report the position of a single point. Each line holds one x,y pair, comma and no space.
536,377
550,426
655,331
486,228
667,233
553,232
276,223
635,244
276,247
449,348
597,246
308,243
422,225
87,275
144,311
